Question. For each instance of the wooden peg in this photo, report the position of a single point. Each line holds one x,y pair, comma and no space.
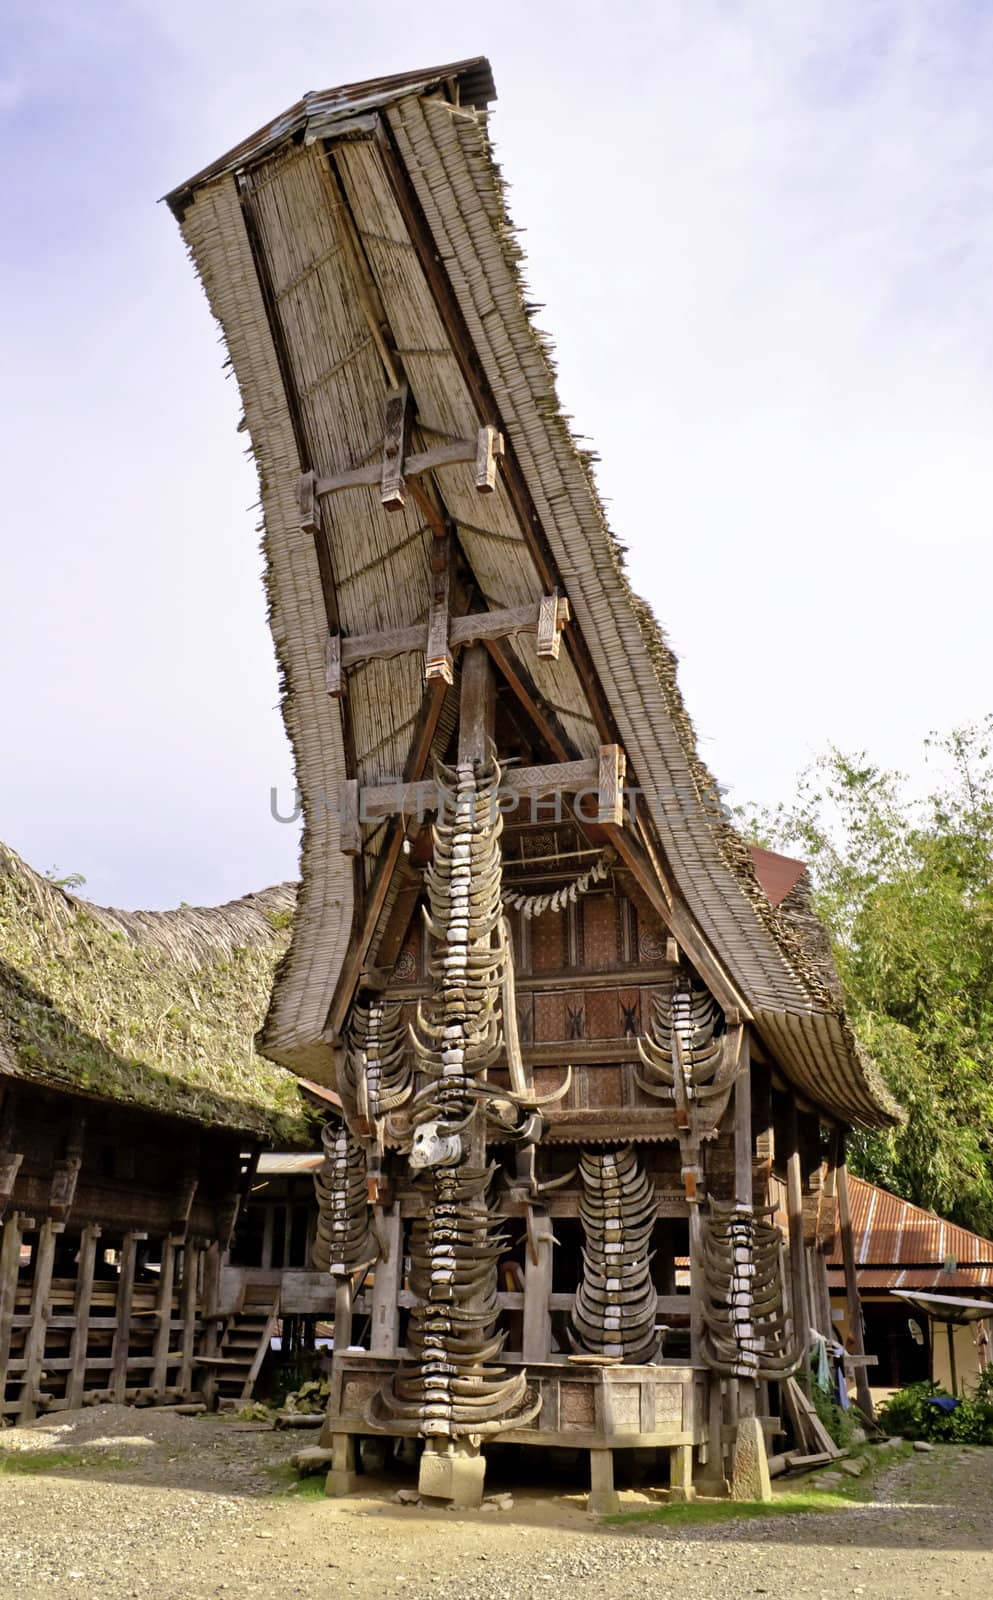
489,445
548,628
438,652
612,767
308,503
332,666
349,832
392,487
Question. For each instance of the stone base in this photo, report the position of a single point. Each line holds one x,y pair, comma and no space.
340,1483
750,1465
454,1472
603,1500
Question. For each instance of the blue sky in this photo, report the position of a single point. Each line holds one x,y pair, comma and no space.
762,233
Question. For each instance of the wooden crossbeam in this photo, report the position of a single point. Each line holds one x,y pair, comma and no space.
602,777
483,452
342,653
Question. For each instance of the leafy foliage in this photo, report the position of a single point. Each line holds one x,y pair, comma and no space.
906,888
841,1425
909,1415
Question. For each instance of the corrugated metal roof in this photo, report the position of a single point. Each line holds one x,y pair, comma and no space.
902,1246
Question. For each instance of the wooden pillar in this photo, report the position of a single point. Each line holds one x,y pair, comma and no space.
342,1314
10,1261
696,1279
189,1300
536,1339
681,1488
477,721
851,1281
799,1296
122,1332
384,1336
160,1354
76,1382
34,1346
211,1301
603,1496
267,1227
743,1183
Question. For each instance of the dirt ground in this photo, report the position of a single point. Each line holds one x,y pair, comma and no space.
145,1505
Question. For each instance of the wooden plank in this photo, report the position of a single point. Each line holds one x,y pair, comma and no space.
550,623
471,628
536,1340
125,1295
394,443
164,1309
384,1334
81,1330
855,1328
34,1345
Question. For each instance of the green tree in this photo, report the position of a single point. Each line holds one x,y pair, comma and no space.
906,888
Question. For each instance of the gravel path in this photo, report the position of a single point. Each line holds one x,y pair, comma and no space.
123,1503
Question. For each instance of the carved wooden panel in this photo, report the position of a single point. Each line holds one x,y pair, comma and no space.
549,942
601,950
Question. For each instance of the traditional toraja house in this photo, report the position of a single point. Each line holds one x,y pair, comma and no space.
575,1039
914,1266
132,1109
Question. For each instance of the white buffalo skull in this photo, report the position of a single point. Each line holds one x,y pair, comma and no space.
433,1147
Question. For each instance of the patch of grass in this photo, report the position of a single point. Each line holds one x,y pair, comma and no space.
701,1513
42,1462
285,1480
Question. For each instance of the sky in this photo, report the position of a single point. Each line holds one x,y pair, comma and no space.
762,235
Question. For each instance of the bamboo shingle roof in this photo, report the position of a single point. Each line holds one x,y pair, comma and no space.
152,1009
367,228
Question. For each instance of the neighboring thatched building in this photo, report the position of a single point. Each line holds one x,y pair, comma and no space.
132,1108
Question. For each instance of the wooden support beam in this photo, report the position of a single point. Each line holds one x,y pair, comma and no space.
489,445
160,1351
122,1333
855,1329
188,1313
34,1345
799,1293
333,674
10,1261
389,856
536,1340
610,785
384,1334
76,1380
535,783
482,453
438,661
394,445
349,829
553,614
342,654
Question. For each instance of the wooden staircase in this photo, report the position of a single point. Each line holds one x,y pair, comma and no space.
243,1338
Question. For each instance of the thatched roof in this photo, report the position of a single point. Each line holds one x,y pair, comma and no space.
369,226
154,1009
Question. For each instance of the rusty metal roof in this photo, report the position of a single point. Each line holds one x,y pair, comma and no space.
902,1246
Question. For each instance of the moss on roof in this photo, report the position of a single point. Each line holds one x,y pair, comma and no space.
157,1010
